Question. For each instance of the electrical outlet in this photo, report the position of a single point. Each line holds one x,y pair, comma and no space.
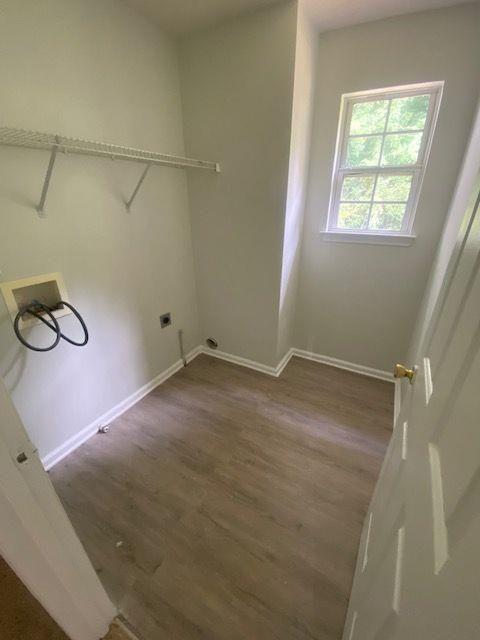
165,320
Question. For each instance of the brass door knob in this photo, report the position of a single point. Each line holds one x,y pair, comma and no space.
400,371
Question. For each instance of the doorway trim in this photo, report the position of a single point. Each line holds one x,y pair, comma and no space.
38,541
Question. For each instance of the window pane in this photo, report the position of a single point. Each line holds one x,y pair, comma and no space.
401,148
363,152
408,113
369,117
357,187
391,187
352,216
387,217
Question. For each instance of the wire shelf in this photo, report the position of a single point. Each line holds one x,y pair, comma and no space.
38,140
56,143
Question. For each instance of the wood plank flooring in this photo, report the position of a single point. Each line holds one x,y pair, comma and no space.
228,504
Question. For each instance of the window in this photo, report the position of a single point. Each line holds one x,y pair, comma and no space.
383,143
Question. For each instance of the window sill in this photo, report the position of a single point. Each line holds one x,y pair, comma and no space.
403,240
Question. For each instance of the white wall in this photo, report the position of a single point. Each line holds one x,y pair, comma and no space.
301,133
237,87
101,71
359,302
469,176
96,70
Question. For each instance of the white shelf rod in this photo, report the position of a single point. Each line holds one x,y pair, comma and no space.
55,143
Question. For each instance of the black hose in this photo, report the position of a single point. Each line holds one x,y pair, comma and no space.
75,313
55,328
33,309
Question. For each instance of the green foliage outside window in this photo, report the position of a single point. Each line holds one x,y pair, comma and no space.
383,133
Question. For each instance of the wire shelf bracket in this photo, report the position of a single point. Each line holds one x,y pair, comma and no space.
55,143
128,204
46,183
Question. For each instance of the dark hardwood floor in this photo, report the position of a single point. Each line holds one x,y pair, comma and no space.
228,504
22,617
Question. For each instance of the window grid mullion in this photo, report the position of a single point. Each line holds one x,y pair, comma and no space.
405,202
379,163
389,133
384,133
399,168
371,200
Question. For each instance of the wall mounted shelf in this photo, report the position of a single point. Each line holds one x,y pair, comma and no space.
55,143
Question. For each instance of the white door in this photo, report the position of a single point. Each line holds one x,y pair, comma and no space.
418,571
38,541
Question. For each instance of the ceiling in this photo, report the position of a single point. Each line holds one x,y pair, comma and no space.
181,17
333,14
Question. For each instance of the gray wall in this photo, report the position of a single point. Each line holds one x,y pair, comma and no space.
237,87
359,302
96,70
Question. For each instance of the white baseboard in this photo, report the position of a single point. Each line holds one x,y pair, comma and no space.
357,368
344,364
308,355
250,364
90,430
82,436
284,361
315,357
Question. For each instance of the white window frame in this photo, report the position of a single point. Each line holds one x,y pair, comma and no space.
405,235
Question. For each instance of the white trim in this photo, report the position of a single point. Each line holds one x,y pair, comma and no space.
396,240
400,88
428,380
301,353
90,430
251,364
344,364
397,400
7,289
340,170
284,361
367,542
38,542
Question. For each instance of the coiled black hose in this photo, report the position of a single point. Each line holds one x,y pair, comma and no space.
33,309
